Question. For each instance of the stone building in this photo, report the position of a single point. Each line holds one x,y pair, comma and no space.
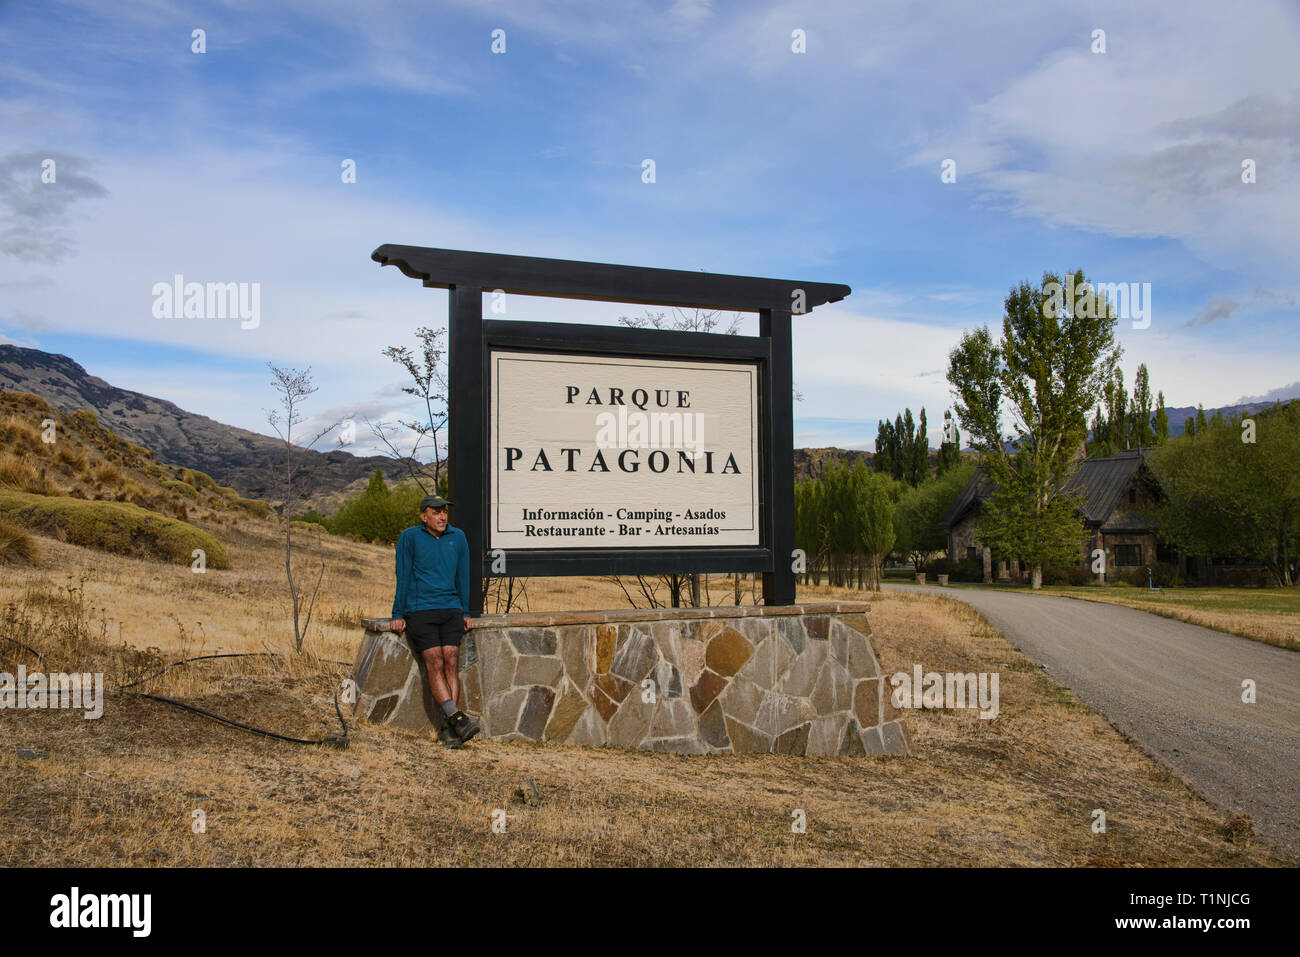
1117,490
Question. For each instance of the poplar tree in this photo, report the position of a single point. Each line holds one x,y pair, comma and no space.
1050,367
1140,433
1162,420
920,467
883,459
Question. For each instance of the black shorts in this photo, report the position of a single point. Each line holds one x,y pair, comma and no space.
437,626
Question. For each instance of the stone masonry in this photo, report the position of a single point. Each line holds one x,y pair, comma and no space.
800,679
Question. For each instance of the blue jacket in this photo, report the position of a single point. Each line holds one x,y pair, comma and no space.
432,571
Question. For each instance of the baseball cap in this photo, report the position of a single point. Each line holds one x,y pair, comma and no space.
433,501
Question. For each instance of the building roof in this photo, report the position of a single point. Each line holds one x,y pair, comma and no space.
977,490
1103,482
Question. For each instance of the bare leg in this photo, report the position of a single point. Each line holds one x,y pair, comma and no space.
450,672
433,664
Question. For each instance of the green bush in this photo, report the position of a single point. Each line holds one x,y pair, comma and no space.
313,517
112,527
199,479
379,513
183,488
1166,574
966,570
1242,578
1076,574
254,506
28,399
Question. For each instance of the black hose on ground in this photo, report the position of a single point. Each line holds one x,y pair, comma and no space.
332,740
27,648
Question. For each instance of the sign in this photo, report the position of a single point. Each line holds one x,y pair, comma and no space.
601,450
591,451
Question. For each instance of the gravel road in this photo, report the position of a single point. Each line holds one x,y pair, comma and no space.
1175,689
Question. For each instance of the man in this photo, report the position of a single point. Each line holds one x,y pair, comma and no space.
430,605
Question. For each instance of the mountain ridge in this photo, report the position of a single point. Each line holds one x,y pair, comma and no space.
247,461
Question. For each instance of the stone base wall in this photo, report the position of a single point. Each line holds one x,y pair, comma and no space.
786,680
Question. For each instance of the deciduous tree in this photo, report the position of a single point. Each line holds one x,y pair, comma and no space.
1050,367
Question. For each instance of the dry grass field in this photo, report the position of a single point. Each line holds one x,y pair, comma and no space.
122,790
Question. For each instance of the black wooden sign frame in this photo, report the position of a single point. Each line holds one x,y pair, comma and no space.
467,275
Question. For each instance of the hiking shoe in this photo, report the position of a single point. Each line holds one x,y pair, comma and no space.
463,726
449,738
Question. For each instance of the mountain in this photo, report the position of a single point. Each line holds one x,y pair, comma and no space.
811,463
250,463
1178,416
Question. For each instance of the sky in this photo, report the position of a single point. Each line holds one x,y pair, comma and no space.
1164,150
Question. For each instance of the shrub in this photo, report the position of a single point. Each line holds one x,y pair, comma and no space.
966,570
227,493
28,399
199,479
378,513
254,506
86,419
314,517
1077,574
117,527
16,546
181,488
1166,574
1242,578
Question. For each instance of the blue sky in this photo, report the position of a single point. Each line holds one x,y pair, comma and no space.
824,166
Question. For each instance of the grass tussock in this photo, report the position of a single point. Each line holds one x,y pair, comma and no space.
107,475
73,457
17,432
118,527
15,473
17,547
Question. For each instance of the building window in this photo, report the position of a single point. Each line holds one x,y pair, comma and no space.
1128,555
973,553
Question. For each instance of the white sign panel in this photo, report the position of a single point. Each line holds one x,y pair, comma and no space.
602,452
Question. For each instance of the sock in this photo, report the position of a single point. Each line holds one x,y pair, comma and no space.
449,707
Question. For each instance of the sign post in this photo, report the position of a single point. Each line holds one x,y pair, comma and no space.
580,450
